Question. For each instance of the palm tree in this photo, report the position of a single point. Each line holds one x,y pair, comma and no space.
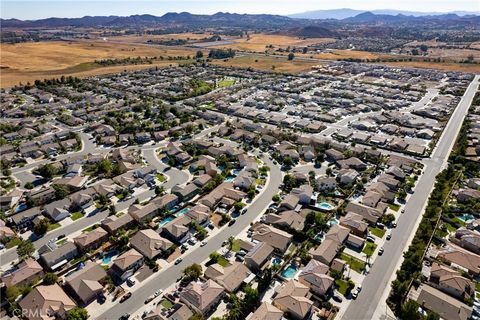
231,242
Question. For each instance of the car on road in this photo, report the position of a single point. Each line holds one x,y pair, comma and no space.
231,222
380,251
203,243
403,211
355,294
393,224
130,282
224,243
178,261
158,292
125,297
124,316
149,299
243,211
389,235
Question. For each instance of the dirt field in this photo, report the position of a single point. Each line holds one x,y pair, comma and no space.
9,78
462,67
42,56
269,63
258,42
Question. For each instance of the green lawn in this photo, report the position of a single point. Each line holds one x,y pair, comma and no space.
89,228
377,231
394,207
160,177
222,261
342,286
369,248
166,304
226,83
12,243
53,226
450,227
459,221
120,196
353,262
477,286
76,215
236,245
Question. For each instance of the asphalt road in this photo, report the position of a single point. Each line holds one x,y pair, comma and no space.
374,285
168,276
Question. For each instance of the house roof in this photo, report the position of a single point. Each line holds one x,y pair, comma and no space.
291,297
327,250
266,311
85,281
149,243
127,259
230,277
446,307
277,238
259,253
202,294
26,270
46,299
88,238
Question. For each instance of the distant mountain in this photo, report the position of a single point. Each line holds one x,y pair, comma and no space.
340,14
219,19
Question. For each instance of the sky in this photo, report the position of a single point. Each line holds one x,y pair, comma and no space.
38,9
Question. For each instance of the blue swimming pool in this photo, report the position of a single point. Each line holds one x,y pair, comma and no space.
229,179
165,221
333,221
325,206
181,212
107,257
466,217
289,272
236,172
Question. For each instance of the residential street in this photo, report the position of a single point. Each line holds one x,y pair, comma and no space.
370,304
168,276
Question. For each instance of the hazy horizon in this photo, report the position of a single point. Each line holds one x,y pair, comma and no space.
39,9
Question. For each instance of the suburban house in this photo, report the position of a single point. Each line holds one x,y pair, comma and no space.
231,277
185,192
54,258
266,311
276,238
371,215
292,298
315,276
58,210
126,265
46,302
202,297
84,284
150,243
355,223
166,202
326,251
114,223
27,271
178,230
25,218
257,257
90,240
451,281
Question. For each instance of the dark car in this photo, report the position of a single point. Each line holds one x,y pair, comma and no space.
125,297
124,317
231,222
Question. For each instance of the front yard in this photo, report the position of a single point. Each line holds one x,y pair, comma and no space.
76,215
376,231
369,248
354,263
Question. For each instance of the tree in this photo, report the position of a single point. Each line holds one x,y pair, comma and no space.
275,198
335,274
77,313
215,256
230,243
193,272
291,56
12,293
61,191
199,55
239,205
25,249
410,311
50,278
196,316
47,171
104,167
29,185
415,52
41,227
388,218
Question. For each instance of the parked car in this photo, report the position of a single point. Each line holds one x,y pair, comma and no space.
371,239
231,222
203,243
157,293
192,241
380,251
179,260
211,226
130,281
389,235
125,297
124,316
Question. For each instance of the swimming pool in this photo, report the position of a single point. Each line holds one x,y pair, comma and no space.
276,261
333,222
235,172
229,179
181,212
289,272
165,221
325,206
466,217
107,257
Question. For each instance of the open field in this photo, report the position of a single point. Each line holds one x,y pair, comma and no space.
259,42
462,67
269,63
43,56
170,36
9,78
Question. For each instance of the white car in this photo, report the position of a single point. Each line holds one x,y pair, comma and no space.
203,243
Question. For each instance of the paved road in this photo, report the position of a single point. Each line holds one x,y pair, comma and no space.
378,281
168,276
